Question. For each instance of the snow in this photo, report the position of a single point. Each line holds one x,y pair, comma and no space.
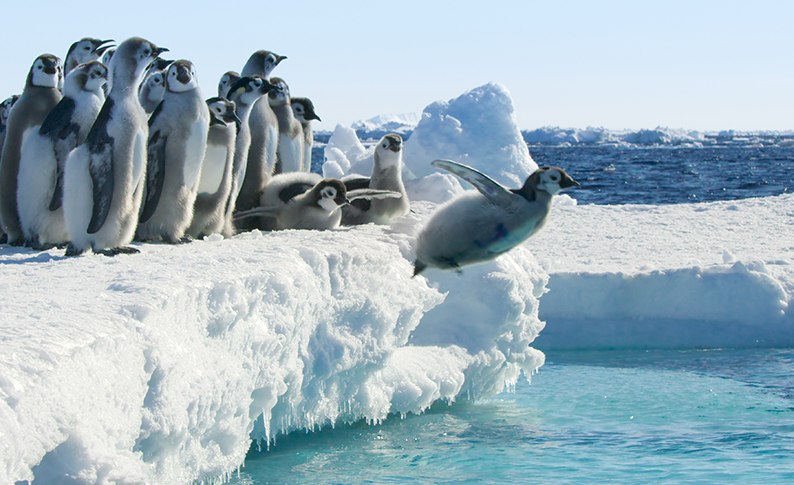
161,367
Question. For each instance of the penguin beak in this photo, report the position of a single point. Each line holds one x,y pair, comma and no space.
159,50
395,145
182,75
567,181
312,116
232,117
216,121
279,59
101,47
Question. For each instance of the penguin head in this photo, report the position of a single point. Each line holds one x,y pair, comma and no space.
222,111
303,110
107,56
262,63
90,76
388,153
247,90
47,71
132,58
84,50
181,77
279,95
155,81
226,82
330,194
5,108
548,179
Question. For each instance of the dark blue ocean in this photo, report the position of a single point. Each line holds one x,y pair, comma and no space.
623,417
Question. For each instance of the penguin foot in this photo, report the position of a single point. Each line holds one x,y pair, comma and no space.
419,266
16,243
72,250
4,239
116,251
37,246
186,240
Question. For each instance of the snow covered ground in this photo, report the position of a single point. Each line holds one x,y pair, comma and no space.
161,367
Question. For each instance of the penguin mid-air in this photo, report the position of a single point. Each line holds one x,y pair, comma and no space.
303,110
264,135
104,177
215,182
177,141
302,200
85,50
245,93
227,81
39,97
152,91
479,226
44,152
386,175
289,153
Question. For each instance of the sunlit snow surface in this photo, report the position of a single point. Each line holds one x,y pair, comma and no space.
161,367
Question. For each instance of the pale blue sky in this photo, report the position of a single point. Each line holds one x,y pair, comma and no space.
703,65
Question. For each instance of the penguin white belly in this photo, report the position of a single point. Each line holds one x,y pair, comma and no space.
290,153
212,169
271,146
139,156
36,184
194,153
78,198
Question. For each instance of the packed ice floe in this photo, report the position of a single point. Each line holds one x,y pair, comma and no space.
162,367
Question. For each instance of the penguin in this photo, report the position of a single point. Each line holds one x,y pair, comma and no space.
479,226
386,175
289,153
264,136
44,152
5,109
215,182
245,93
104,177
84,50
227,81
302,200
303,110
39,97
152,91
177,141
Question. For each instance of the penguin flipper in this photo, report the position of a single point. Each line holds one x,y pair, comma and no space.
293,190
101,169
487,186
59,128
372,194
355,182
257,212
155,174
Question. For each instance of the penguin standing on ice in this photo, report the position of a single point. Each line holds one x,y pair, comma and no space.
104,177
40,96
44,152
177,140
386,175
245,93
215,182
303,110
227,81
479,226
84,50
289,154
301,200
5,109
264,134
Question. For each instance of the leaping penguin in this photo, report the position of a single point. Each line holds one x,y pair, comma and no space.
479,226
104,177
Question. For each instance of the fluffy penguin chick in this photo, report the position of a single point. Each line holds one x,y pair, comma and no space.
44,153
177,140
264,136
40,96
5,109
303,109
301,200
152,91
245,93
215,182
85,50
479,226
289,154
386,175
104,177
227,81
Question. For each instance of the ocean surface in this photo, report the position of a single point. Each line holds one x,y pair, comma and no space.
718,416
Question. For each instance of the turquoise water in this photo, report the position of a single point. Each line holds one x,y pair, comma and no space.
596,417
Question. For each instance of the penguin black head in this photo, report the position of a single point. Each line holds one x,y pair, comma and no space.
46,71
181,76
226,82
280,92
303,109
392,142
262,63
548,179
330,194
256,86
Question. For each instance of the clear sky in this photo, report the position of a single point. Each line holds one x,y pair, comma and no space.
694,64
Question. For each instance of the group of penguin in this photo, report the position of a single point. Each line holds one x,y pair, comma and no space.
95,153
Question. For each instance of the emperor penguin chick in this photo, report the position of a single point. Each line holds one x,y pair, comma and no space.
386,175
227,81
85,50
104,177
479,226
215,182
245,93
44,152
5,109
264,135
301,200
303,109
177,140
39,97
289,153
152,91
